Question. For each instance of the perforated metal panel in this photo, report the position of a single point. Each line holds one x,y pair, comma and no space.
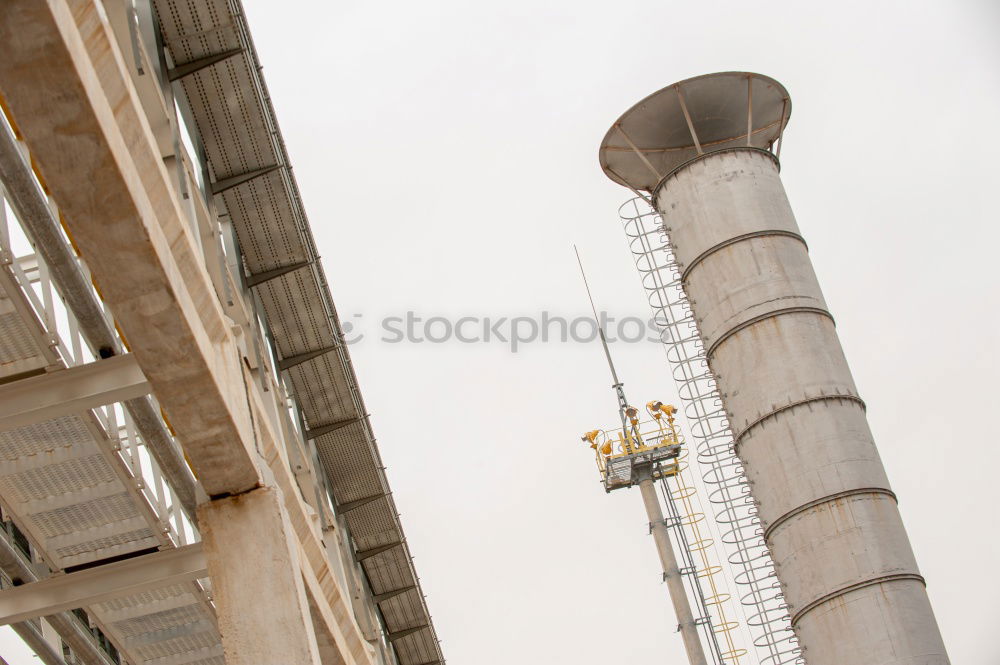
318,392
159,621
78,474
239,137
17,352
68,490
174,622
162,648
294,306
277,240
77,508
342,453
156,600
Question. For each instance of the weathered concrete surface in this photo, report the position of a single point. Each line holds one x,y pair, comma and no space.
33,210
855,594
336,627
253,561
64,82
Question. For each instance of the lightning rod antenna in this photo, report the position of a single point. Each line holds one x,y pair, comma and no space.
618,386
597,320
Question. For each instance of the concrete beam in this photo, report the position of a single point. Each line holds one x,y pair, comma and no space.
330,603
98,585
333,644
72,390
125,217
257,584
39,220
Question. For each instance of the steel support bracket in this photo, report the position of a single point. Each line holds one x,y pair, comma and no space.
342,508
399,634
220,186
292,361
671,522
266,276
66,391
381,597
97,585
361,555
188,68
332,427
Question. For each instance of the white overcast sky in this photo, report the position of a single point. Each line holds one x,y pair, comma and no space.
447,156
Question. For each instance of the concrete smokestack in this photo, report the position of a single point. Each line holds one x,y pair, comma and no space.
706,150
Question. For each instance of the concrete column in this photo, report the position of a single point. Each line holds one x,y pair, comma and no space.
843,558
671,572
257,586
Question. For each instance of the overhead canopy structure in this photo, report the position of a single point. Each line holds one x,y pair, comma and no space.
215,63
87,477
689,118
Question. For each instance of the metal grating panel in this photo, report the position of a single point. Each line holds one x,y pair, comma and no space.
62,432
101,512
244,136
158,621
295,313
214,660
178,645
238,137
414,648
373,524
129,541
16,344
57,479
319,393
384,571
150,597
276,240
193,30
344,454
400,607
78,503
